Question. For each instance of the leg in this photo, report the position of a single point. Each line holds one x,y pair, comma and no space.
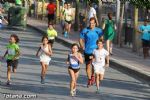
69,27
97,81
46,67
42,73
76,78
108,45
110,49
72,81
8,73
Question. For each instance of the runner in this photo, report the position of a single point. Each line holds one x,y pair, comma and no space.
145,30
74,58
52,34
109,28
12,55
51,8
62,16
89,36
68,20
45,54
92,13
99,56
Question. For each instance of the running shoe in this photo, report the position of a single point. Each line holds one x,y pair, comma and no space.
72,93
8,83
98,91
42,80
65,34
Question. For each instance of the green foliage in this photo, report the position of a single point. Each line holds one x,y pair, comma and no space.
139,3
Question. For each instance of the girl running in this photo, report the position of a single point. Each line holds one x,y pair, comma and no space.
46,52
99,55
12,55
74,58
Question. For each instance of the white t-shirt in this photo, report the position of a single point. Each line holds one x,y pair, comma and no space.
91,13
100,56
68,14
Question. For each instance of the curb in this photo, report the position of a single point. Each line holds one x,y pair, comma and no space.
116,64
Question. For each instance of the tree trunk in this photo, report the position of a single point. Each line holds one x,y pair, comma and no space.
117,20
76,24
135,34
100,13
57,11
120,30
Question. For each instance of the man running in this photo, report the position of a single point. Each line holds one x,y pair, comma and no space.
88,38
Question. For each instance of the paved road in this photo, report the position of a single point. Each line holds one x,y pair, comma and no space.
115,86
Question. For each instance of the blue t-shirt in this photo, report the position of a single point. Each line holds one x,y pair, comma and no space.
146,32
90,37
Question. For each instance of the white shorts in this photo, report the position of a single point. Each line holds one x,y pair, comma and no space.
45,59
98,69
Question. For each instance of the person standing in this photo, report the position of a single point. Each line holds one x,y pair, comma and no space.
92,13
109,28
51,8
73,60
52,34
45,54
12,56
99,63
88,38
145,30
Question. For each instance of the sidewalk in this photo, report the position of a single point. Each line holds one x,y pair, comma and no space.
122,58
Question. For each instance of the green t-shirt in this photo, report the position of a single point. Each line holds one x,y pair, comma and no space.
18,2
12,50
51,34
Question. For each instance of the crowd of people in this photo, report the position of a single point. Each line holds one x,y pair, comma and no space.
91,45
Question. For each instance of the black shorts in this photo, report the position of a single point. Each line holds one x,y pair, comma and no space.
75,70
13,63
51,41
50,17
145,43
69,22
87,57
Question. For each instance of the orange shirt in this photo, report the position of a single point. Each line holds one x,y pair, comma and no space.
51,8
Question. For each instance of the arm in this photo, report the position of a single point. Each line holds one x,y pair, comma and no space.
38,51
96,19
81,43
107,61
79,57
17,54
5,54
50,50
67,61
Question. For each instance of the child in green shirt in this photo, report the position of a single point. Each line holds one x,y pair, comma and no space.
12,55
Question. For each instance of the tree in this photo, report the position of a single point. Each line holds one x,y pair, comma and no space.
145,4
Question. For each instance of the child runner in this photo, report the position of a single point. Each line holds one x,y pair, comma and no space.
51,33
100,54
12,55
46,52
74,58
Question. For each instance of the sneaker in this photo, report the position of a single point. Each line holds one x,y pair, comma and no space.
42,80
89,83
8,83
72,93
93,80
98,91
65,34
